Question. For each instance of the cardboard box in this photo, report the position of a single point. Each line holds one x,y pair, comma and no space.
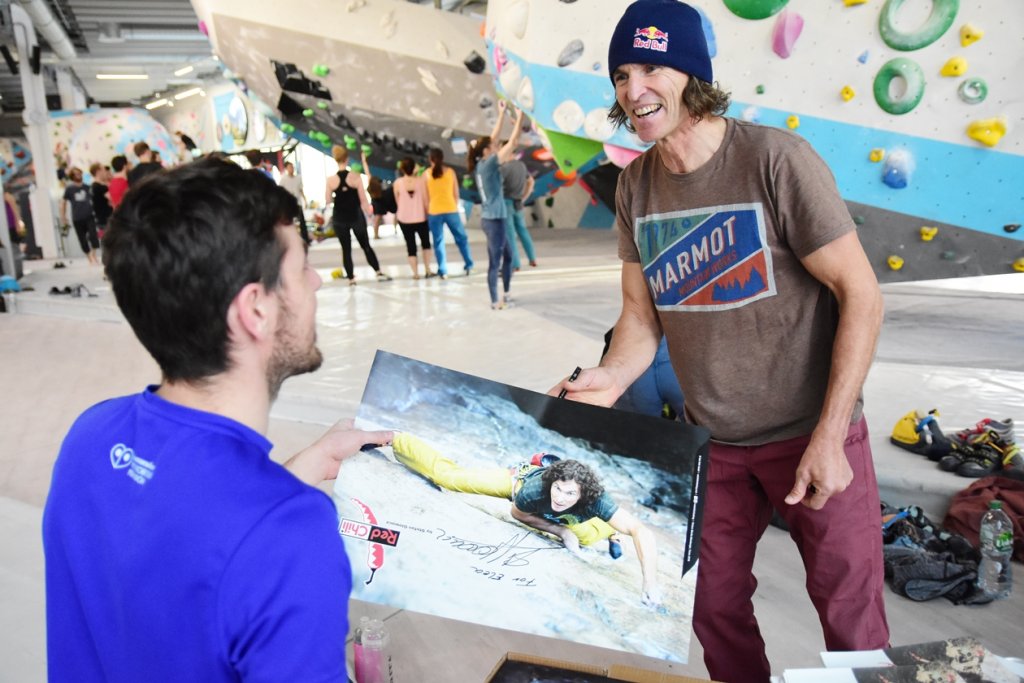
504,670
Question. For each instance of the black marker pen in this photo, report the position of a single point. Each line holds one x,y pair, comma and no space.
572,378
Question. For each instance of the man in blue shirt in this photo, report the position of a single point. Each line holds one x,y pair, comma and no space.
176,550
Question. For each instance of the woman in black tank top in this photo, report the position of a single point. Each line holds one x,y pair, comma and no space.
345,190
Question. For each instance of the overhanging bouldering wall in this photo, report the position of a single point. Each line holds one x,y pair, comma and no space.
915,105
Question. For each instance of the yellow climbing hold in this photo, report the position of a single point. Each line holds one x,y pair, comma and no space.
1018,265
956,66
895,262
793,122
847,93
969,33
928,233
877,154
987,131
336,274
851,3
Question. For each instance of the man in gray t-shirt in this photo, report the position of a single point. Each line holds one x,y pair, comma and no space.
292,182
517,185
737,246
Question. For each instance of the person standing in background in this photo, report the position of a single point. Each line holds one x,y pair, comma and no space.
77,195
485,158
517,186
292,182
147,164
118,180
442,210
351,207
411,197
101,207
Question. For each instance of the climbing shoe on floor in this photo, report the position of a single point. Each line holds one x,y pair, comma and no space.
921,434
982,461
984,431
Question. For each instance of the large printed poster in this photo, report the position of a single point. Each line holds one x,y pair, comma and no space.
508,508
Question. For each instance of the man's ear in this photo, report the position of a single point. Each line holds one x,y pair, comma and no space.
251,313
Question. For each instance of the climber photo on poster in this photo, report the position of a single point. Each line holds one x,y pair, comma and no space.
509,508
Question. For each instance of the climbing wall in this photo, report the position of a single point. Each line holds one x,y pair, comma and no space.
914,104
80,138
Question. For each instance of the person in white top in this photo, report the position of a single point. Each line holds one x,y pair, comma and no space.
411,198
292,182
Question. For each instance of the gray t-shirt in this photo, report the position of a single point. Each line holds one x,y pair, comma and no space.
749,330
293,183
513,181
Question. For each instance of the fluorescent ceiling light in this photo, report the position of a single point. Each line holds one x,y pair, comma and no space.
187,93
184,70
122,77
157,103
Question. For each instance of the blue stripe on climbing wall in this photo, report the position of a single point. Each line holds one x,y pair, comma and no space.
965,185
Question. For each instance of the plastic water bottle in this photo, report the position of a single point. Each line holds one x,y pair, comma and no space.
996,533
372,652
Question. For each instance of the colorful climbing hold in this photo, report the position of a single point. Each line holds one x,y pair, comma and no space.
336,274
1018,265
863,57
322,105
321,70
973,90
568,178
755,9
858,220
954,66
467,181
1011,227
307,112
876,155
851,3
928,233
987,131
759,90
969,33
913,76
793,121
847,93
356,167
941,18
287,128
366,149
895,262
899,167
787,29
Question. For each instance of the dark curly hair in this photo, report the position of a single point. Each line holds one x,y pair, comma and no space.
700,98
574,470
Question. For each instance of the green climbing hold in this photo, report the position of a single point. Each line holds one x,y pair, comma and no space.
287,128
307,112
759,90
551,223
367,150
322,105
755,9
859,220
571,152
356,167
467,182
321,70
549,202
912,75
938,22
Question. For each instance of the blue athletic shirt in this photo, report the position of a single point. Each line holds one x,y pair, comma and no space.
176,550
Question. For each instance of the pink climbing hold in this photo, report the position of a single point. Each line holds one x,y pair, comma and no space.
787,29
620,156
202,28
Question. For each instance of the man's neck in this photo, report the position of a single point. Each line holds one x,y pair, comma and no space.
227,394
691,145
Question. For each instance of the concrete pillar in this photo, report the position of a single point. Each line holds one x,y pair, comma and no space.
42,196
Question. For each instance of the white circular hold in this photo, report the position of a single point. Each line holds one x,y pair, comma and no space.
524,96
510,77
517,16
568,116
750,114
597,126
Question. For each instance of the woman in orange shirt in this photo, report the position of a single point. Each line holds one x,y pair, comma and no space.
443,209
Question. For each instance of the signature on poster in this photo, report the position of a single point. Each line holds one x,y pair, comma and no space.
509,552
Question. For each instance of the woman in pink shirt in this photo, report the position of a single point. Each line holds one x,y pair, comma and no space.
411,198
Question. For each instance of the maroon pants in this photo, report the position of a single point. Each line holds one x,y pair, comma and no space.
841,547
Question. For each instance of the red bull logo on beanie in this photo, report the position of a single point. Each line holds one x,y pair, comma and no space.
651,38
